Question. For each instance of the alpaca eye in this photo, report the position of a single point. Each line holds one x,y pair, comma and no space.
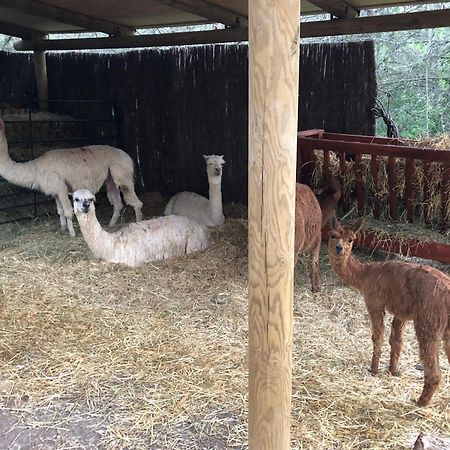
350,241
77,199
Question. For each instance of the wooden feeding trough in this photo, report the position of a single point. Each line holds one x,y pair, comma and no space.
350,149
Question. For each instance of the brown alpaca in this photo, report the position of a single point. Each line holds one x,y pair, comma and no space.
409,292
309,220
308,225
329,197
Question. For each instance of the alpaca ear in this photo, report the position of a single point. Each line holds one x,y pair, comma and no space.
206,157
2,124
70,194
334,223
359,225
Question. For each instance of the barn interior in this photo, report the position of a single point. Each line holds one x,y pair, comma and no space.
96,355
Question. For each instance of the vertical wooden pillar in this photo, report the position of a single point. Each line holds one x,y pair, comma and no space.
273,111
40,70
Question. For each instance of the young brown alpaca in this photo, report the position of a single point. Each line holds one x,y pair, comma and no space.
311,215
308,226
329,197
409,292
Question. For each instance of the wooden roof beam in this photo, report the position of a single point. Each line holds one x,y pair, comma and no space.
19,31
338,8
208,11
373,24
87,23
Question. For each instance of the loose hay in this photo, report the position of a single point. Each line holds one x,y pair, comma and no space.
102,356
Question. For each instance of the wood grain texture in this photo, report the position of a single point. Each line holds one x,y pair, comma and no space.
273,109
40,71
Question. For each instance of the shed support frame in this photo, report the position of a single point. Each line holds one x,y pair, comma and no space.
273,112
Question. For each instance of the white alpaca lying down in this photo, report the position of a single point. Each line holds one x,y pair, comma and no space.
137,243
206,211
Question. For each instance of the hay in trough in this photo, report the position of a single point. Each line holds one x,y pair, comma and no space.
95,355
430,208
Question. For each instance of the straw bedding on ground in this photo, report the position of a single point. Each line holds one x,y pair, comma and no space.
95,355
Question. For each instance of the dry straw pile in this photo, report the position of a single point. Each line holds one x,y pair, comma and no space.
431,206
101,356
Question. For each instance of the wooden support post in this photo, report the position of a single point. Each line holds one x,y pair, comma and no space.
273,112
40,71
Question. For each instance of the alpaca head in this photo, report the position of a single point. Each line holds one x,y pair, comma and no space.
83,201
214,165
341,239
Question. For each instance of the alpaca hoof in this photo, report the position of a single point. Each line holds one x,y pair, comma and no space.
423,401
395,373
315,290
373,371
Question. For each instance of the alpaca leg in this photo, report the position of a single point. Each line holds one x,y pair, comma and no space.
429,355
377,324
59,208
132,199
396,341
314,268
113,194
446,340
68,211
124,181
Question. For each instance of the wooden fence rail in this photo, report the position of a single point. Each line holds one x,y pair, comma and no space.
350,148
353,147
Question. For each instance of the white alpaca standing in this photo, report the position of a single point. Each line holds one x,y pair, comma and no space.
207,212
137,243
57,172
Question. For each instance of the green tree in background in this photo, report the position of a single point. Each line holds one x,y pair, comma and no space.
413,73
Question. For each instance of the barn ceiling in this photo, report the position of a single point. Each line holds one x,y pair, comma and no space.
34,20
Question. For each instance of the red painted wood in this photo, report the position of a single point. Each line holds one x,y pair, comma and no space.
445,199
376,184
392,182
359,185
409,188
358,148
360,138
409,247
315,132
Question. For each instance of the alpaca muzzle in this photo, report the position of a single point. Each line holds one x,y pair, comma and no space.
339,249
85,206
